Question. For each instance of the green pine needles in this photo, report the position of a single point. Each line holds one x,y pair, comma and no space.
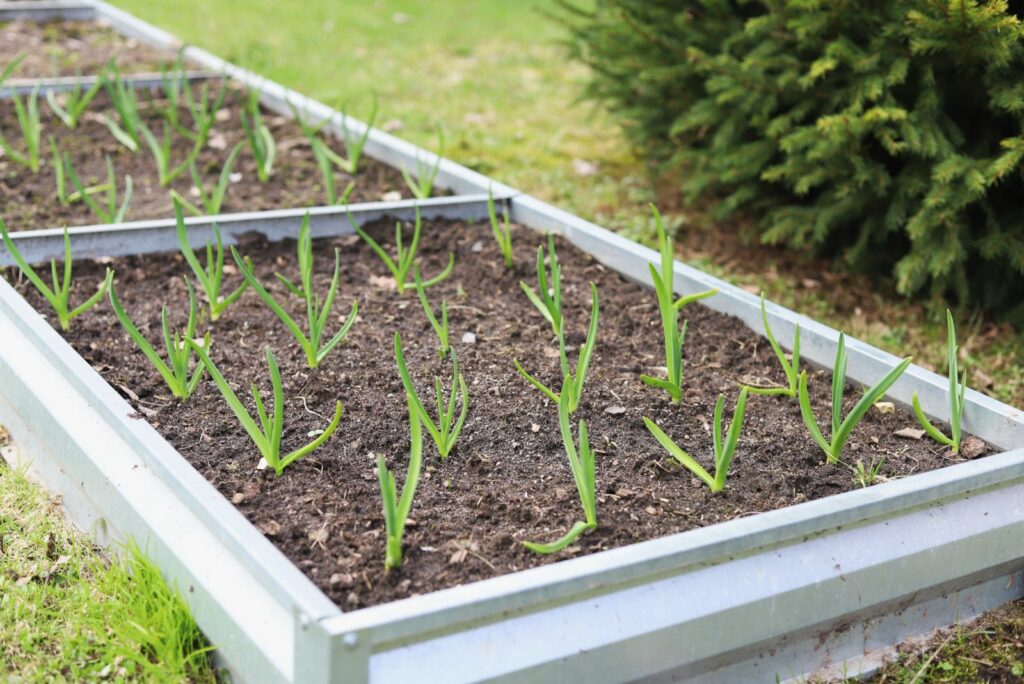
318,312
211,276
268,433
842,427
175,371
582,463
445,432
669,306
956,394
406,256
396,508
59,296
724,449
790,368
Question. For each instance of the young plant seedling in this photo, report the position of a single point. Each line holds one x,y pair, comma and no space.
203,111
582,463
76,100
354,144
11,66
669,306
548,297
790,368
423,184
175,371
864,475
445,432
724,450
406,256
122,97
574,380
161,150
260,140
440,327
842,427
956,394
110,213
502,231
27,113
213,200
396,508
318,314
211,278
267,435
59,295
323,162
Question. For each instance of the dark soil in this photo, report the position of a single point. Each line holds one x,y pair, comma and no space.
69,48
508,479
29,201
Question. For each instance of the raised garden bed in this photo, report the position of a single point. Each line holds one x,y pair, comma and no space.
508,479
829,582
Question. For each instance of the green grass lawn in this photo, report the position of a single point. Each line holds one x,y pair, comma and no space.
494,77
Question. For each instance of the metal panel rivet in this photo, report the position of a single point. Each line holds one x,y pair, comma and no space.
351,641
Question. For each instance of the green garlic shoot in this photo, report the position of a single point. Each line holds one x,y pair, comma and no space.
210,277
267,435
175,371
318,312
440,327
27,114
575,380
161,150
396,508
406,256
213,200
724,450
790,368
674,335
261,141
842,427
59,295
110,213
445,432
547,299
125,103
423,185
956,394
502,231
582,463
75,102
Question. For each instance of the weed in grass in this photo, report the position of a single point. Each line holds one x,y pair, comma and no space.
445,432
865,475
396,508
423,185
72,614
261,141
125,103
71,104
502,232
210,277
669,307
27,113
161,150
724,450
318,313
267,435
582,463
440,327
956,394
574,379
175,371
211,200
790,368
406,255
842,427
59,295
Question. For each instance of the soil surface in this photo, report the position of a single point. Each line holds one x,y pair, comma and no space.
69,48
29,201
508,479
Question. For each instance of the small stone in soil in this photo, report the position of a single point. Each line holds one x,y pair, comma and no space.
469,338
